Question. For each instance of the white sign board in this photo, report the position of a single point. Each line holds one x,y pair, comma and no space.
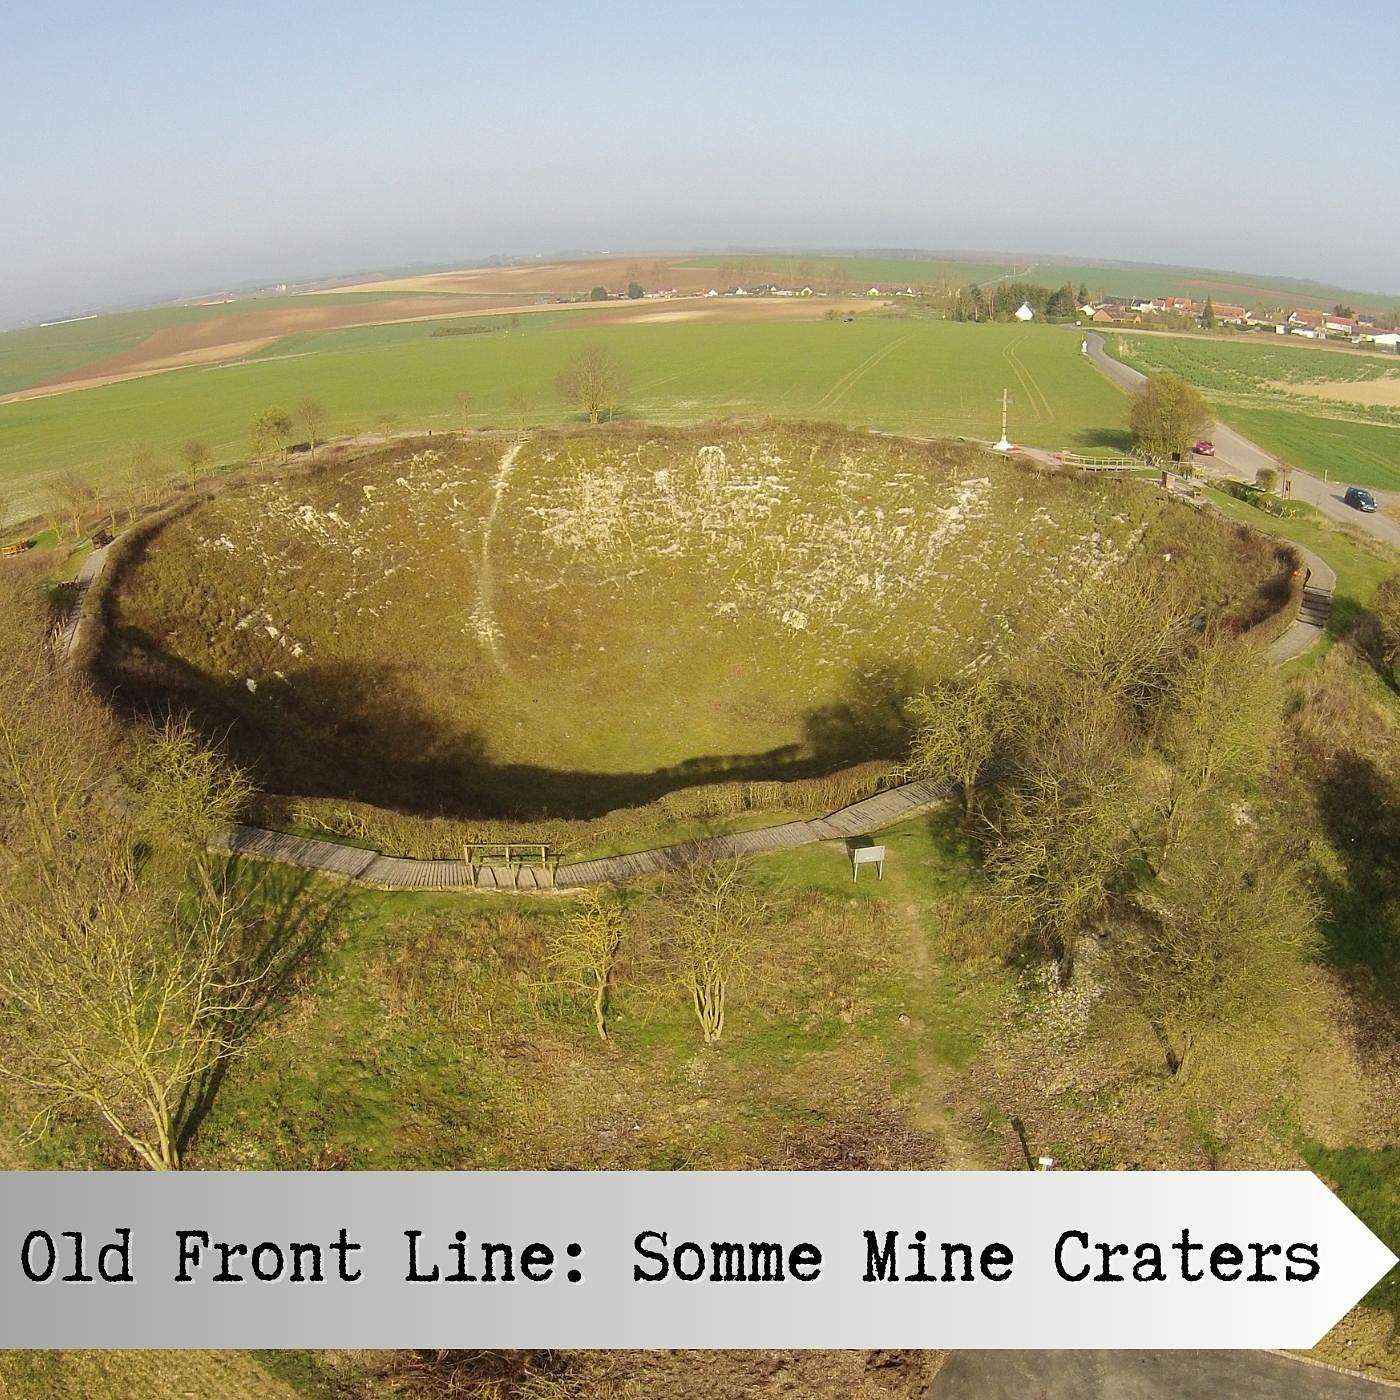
868,855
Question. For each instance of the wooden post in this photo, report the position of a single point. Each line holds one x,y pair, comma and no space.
1020,1130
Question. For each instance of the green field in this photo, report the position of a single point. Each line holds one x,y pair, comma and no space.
1245,381
911,375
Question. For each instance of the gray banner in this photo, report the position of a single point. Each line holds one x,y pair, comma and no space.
677,1259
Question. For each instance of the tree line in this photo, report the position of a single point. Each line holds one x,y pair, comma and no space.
1002,300
1112,792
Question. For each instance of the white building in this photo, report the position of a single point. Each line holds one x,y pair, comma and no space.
1024,313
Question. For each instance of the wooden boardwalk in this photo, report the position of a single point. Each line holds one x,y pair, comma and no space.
1314,611
381,872
78,618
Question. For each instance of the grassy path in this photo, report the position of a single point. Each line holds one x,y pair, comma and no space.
484,614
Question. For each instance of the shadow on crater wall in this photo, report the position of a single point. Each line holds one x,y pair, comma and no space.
359,732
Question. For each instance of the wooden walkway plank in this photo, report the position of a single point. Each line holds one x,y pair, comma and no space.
378,871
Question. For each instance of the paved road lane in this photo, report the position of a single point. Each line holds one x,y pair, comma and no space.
1246,457
1145,1375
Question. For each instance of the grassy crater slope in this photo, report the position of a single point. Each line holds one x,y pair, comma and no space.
585,621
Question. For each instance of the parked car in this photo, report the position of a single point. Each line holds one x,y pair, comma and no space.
1204,448
1358,498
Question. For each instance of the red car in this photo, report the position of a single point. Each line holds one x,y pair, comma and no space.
1204,449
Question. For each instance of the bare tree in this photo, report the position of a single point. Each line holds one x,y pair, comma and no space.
75,498
312,416
129,970
1124,637
465,404
585,951
272,431
1385,607
1167,417
196,456
1216,731
1218,948
123,996
957,726
713,914
1068,836
186,791
595,383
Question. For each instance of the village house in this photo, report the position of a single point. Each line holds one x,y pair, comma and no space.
1024,312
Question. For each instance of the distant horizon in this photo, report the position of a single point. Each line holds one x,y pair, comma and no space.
306,281
154,149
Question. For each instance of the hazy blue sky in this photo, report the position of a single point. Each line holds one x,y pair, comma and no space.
147,148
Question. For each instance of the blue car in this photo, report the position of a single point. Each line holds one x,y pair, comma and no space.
1359,499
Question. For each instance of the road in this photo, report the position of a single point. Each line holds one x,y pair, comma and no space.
1244,457
1145,1375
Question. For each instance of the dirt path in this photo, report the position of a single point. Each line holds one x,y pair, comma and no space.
934,1099
484,613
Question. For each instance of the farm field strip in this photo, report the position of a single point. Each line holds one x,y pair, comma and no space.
934,378
1261,390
